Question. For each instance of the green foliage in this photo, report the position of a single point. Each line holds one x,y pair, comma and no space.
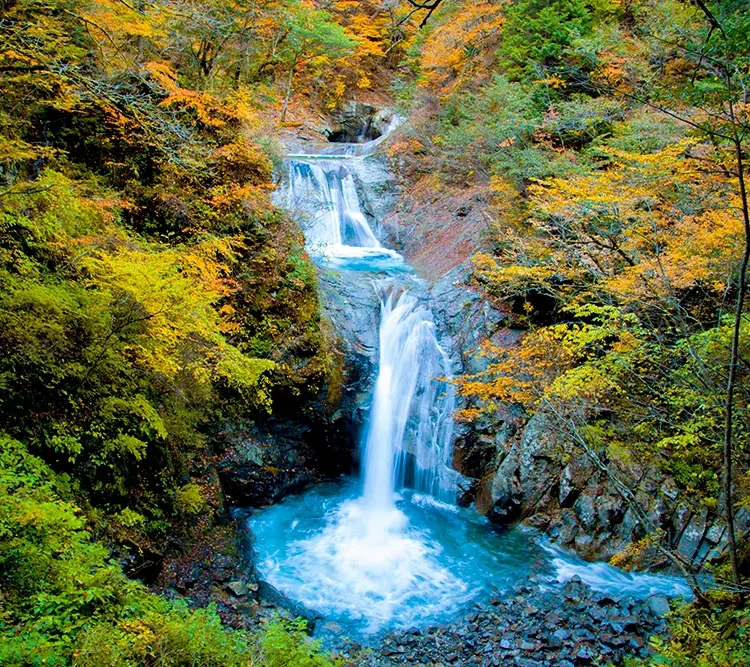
189,499
64,602
617,242
163,636
537,34
284,644
480,128
143,271
121,343
312,34
712,634
149,294
579,120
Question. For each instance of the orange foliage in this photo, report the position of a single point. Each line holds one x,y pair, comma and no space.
645,228
368,24
464,44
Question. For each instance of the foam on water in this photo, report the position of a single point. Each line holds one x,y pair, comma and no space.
373,569
418,563
607,579
370,564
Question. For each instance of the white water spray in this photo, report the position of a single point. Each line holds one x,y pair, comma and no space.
326,192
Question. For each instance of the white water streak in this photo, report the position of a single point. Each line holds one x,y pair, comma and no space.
325,195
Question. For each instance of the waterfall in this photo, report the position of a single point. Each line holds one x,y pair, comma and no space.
410,428
324,196
408,438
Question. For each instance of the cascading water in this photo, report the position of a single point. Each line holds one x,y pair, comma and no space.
392,550
362,558
410,429
326,191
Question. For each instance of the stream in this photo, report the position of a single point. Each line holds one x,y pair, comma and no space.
390,550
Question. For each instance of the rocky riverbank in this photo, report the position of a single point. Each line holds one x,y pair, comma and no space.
533,625
566,626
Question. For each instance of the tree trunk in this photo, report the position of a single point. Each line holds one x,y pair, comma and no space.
288,92
728,448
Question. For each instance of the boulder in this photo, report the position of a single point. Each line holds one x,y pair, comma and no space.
658,605
355,122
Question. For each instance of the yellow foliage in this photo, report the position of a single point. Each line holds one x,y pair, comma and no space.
170,295
206,106
470,35
644,228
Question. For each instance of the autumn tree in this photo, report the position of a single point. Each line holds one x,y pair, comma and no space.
650,222
309,36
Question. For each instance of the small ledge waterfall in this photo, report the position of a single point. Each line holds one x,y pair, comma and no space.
327,190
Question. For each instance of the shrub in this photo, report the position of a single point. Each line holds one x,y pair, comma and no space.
189,499
64,602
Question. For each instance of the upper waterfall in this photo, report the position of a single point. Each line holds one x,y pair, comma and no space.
325,191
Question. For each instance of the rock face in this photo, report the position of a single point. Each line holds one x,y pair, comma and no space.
521,472
352,307
355,123
265,462
378,192
435,228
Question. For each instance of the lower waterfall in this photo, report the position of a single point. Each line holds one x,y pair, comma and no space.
410,427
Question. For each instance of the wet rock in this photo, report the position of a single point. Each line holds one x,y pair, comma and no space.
692,536
658,605
356,122
623,623
560,636
270,594
241,588
263,464
584,655
332,627
585,512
